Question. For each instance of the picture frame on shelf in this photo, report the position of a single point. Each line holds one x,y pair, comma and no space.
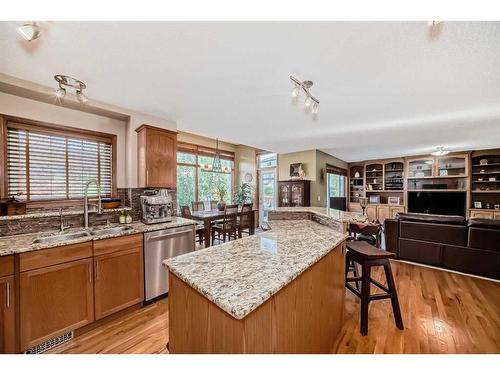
374,199
478,204
394,201
443,172
497,206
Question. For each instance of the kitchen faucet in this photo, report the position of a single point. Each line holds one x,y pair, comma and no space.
86,201
62,227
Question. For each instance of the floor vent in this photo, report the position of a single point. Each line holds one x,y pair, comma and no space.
52,343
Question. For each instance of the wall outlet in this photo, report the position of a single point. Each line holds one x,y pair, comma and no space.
319,198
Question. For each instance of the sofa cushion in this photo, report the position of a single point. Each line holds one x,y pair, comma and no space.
484,238
433,232
484,223
475,261
421,252
428,218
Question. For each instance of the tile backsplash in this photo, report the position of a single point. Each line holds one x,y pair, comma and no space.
73,217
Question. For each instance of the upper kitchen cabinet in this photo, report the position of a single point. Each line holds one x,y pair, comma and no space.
157,150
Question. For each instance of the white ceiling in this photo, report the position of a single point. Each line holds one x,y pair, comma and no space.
386,88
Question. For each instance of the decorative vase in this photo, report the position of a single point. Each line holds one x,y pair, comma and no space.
221,205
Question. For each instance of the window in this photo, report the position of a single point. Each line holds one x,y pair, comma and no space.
196,184
46,163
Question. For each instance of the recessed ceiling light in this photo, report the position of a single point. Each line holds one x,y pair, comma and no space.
440,151
29,31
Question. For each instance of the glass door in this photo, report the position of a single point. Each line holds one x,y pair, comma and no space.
336,194
267,184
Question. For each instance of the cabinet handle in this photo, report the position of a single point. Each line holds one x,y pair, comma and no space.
90,273
97,270
7,285
147,176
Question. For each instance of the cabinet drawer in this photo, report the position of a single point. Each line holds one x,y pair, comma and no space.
111,245
55,255
7,265
481,214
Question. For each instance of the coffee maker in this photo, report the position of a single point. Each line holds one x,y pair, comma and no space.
156,207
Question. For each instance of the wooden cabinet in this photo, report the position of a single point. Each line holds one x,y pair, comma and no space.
119,274
157,157
55,300
438,166
395,211
295,193
383,212
371,212
7,315
483,214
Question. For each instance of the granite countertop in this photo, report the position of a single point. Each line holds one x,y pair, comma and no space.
330,213
239,276
24,242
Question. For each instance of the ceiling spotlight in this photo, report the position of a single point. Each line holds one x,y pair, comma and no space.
440,151
68,81
29,31
305,86
60,92
80,96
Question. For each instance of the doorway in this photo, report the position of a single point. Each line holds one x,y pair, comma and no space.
267,172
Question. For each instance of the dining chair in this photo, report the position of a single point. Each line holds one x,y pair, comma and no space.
228,228
198,206
245,219
200,228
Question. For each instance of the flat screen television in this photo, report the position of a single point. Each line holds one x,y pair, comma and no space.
437,202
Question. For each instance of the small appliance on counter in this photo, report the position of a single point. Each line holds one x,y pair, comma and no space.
12,206
156,206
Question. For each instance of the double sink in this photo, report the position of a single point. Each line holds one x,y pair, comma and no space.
62,237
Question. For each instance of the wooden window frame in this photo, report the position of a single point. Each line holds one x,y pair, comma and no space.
50,128
196,150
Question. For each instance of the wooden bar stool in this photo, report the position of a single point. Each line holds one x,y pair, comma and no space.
369,256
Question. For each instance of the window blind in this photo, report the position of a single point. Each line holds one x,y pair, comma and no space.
47,166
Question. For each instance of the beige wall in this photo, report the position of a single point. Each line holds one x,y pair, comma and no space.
314,161
32,101
307,158
244,162
35,110
318,188
204,141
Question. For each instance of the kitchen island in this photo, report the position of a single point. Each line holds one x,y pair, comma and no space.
280,291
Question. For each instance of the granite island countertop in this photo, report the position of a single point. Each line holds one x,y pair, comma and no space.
23,243
328,213
239,276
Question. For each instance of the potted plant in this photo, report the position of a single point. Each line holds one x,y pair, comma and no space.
221,190
243,194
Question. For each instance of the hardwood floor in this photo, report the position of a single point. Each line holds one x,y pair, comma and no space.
443,312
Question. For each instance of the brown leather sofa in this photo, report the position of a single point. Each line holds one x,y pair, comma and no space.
452,242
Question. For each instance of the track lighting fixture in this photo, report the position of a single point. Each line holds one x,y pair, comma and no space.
29,31
304,86
68,81
440,151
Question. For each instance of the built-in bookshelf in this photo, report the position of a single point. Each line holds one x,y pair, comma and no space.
356,183
485,180
394,176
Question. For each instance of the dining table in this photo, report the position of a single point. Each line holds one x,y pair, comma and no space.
210,216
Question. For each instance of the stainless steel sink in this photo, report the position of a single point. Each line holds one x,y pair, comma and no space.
61,237
111,230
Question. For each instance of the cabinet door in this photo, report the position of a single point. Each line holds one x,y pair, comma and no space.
284,195
420,167
7,315
383,212
55,300
161,165
371,212
119,281
496,215
395,211
297,195
481,214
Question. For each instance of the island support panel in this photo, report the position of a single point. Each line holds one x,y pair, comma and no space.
306,316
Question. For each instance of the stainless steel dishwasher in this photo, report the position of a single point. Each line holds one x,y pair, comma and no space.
161,245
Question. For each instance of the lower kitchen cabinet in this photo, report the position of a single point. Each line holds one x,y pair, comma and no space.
383,212
55,300
380,212
371,212
119,275
7,315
